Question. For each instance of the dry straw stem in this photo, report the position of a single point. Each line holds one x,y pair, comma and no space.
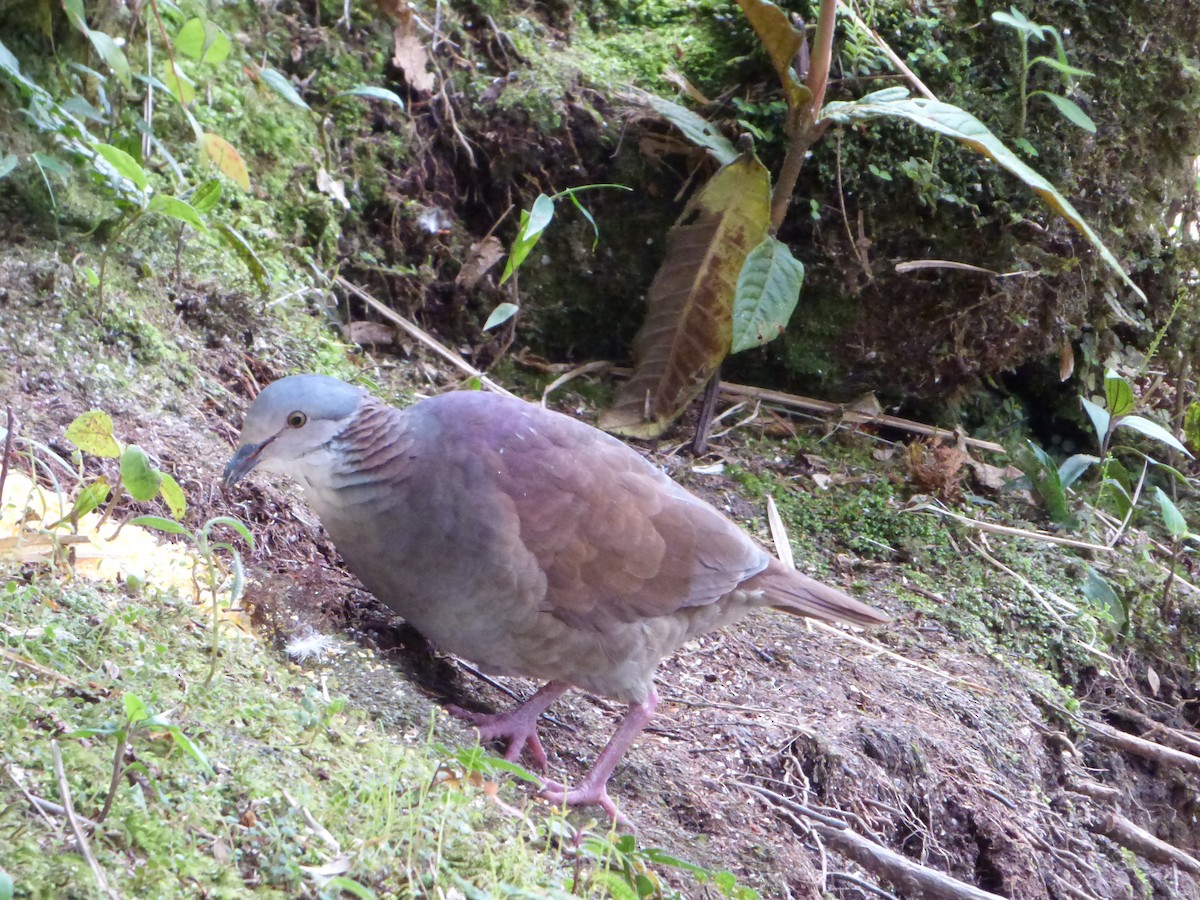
907,876
1013,532
422,336
77,827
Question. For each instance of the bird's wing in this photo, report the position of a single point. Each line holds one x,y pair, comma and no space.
616,539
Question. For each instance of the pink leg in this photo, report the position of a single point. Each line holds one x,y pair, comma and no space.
517,726
593,789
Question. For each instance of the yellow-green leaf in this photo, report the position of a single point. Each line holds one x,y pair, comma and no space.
91,496
222,155
92,432
173,496
203,41
782,41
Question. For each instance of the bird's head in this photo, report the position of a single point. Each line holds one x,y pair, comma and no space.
291,419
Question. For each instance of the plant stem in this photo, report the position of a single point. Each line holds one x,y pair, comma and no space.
117,768
802,127
1023,82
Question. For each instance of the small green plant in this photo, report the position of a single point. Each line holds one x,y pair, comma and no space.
138,720
1027,31
533,222
92,432
211,574
280,83
626,871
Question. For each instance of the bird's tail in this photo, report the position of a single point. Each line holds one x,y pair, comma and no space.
791,592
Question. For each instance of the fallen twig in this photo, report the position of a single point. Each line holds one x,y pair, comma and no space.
69,810
855,417
1012,532
1143,843
1167,756
36,802
907,876
421,335
32,666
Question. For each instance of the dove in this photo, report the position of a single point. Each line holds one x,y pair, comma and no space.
525,541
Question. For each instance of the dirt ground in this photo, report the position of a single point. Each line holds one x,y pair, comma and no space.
909,737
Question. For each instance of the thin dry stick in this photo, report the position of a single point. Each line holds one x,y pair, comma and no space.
421,335
1024,582
32,666
854,417
84,848
887,51
1013,532
35,802
880,650
8,442
909,877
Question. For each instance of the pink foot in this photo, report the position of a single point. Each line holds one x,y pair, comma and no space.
587,794
512,727
517,726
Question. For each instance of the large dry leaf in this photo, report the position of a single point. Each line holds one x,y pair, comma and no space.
782,42
689,321
408,53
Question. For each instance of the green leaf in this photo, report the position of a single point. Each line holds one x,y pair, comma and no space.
203,41
113,56
229,522
139,477
1111,489
135,709
373,93
947,119
192,749
1100,419
1074,466
1015,19
91,496
1191,424
92,432
282,86
1059,66
1177,525
501,314
75,15
533,223
233,238
1153,430
158,523
339,884
1070,111
205,197
1043,476
180,210
8,162
178,83
616,885
696,129
768,288
1118,395
173,496
1097,589
127,167
7,888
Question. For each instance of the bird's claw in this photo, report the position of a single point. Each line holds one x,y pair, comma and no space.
512,727
585,795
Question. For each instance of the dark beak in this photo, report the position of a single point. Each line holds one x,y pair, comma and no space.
242,463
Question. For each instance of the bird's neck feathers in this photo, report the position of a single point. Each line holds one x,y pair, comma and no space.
352,468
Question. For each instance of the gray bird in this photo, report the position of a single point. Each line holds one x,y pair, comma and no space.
525,541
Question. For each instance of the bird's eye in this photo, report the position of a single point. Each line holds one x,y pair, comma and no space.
296,419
